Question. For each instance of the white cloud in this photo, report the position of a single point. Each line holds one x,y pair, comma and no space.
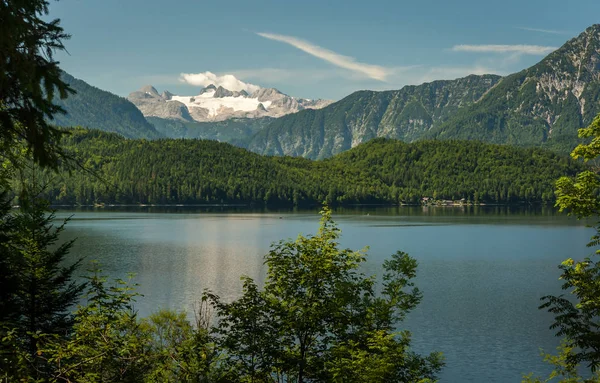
550,31
227,81
375,72
490,48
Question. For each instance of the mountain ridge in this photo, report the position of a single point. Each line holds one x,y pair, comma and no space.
218,104
363,115
543,105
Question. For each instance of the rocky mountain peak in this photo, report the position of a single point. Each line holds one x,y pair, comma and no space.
542,105
580,55
592,30
268,94
151,103
222,92
218,104
149,89
569,70
209,88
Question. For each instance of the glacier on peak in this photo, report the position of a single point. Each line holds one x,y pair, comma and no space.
223,105
216,103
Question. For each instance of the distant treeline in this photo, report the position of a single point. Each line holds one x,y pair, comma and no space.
168,171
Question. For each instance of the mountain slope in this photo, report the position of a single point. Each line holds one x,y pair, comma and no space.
404,114
99,109
542,105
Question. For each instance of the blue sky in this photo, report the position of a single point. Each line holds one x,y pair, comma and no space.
313,49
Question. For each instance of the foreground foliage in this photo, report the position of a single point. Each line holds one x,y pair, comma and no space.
577,316
564,370
38,290
30,78
318,319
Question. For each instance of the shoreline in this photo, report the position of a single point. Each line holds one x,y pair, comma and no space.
240,205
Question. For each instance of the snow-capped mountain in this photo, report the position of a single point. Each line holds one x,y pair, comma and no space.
217,104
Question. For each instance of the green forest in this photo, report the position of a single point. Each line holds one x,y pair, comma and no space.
115,170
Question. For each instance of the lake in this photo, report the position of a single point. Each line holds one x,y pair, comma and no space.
482,271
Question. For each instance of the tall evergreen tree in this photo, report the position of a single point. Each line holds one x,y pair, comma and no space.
8,279
36,290
45,289
30,78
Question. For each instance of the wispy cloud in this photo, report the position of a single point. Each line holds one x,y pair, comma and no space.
375,72
549,31
490,48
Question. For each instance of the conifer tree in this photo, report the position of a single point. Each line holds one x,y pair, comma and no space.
7,278
45,290
30,78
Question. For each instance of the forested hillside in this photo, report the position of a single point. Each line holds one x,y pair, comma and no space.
171,171
459,169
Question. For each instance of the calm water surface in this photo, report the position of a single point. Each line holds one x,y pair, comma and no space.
482,271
